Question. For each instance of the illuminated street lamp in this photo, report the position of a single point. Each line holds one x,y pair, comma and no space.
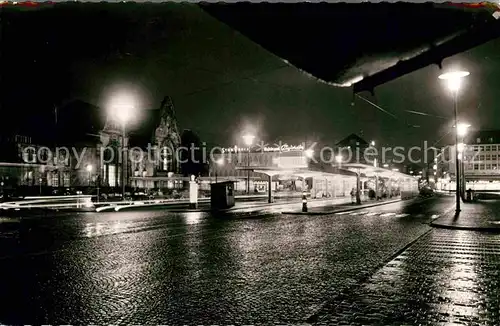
454,81
338,159
462,129
372,143
248,139
309,153
123,108
218,163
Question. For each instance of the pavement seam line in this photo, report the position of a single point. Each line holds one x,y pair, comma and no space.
314,316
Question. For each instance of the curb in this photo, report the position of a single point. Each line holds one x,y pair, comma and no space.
466,228
344,210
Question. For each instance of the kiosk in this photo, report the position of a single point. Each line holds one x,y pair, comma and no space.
222,195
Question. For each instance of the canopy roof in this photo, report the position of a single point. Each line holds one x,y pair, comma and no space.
364,44
369,170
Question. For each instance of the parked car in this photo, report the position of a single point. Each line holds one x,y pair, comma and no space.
426,191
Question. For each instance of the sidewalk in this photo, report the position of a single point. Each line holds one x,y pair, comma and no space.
340,207
445,277
295,203
483,215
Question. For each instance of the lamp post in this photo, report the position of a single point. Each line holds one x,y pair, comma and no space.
454,81
122,109
248,139
338,159
461,132
89,170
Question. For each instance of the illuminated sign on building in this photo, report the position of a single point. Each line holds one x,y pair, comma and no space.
284,148
258,148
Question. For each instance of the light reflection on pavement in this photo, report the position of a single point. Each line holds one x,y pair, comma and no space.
156,267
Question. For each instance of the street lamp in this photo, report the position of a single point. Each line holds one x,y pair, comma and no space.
462,129
309,153
89,170
248,139
338,159
454,81
218,162
123,109
461,132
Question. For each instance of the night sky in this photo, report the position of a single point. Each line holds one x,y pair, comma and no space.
221,82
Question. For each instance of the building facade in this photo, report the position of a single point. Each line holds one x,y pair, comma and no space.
479,162
101,154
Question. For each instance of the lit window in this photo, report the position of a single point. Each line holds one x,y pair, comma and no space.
478,140
164,159
29,155
55,179
66,180
112,175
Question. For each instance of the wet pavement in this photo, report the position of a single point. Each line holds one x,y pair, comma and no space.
482,215
446,278
157,267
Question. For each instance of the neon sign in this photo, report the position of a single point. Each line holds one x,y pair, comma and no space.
284,148
257,149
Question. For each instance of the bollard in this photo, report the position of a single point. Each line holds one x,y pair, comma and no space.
304,202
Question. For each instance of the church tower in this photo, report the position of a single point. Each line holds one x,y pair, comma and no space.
167,138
